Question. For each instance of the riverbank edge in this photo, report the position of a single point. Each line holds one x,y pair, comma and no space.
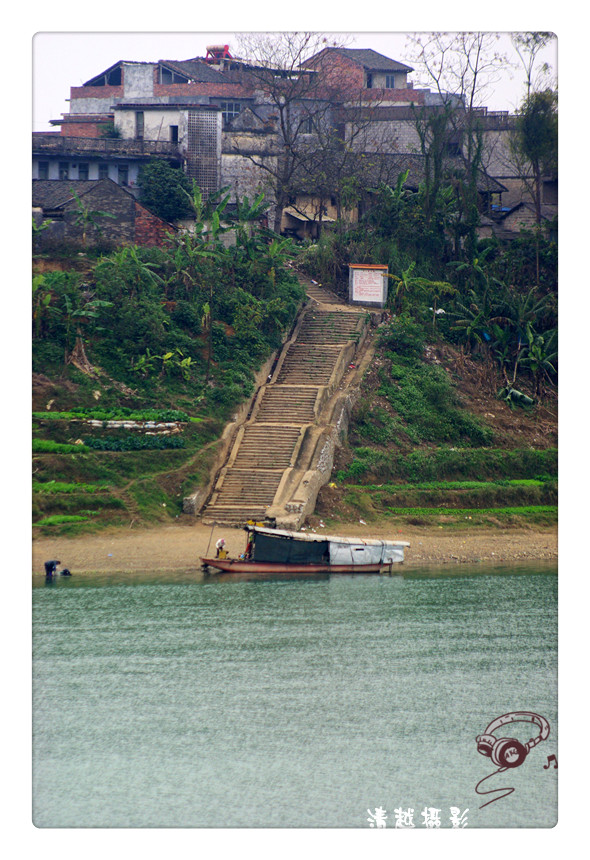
179,548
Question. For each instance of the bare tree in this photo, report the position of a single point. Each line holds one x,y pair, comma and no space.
528,46
461,65
462,68
297,100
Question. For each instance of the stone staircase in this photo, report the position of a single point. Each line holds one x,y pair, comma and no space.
268,447
287,404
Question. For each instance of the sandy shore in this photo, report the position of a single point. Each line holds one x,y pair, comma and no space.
180,547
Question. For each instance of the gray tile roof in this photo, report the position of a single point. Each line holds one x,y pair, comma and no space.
372,60
195,70
54,193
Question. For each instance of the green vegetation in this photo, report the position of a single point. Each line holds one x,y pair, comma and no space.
64,487
50,447
539,516
178,334
164,190
118,414
172,334
60,520
472,336
135,443
450,464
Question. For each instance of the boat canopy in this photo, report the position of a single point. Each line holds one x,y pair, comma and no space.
283,547
277,545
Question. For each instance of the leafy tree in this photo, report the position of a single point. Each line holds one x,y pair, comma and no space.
534,144
163,190
436,290
77,316
536,139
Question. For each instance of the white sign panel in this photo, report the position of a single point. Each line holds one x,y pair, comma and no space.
368,286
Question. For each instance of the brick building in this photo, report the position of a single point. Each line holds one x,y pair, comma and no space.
212,117
84,221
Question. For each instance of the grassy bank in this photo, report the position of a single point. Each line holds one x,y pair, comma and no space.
141,356
431,444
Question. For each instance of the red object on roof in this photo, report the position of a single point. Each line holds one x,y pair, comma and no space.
218,52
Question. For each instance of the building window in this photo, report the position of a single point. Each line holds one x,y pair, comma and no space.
103,171
229,110
43,170
389,82
64,170
167,76
139,126
307,125
83,171
453,149
111,79
123,174
369,81
173,134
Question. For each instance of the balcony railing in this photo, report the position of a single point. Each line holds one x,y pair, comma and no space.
45,143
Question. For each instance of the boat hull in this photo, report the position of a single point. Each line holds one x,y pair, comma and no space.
260,568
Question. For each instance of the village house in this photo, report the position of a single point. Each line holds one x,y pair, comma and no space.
210,117
93,212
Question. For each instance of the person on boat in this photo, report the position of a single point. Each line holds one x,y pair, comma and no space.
221,551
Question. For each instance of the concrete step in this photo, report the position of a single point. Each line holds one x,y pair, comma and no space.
287,404
321,327
235,515
306,365
251,486
267,447
317,292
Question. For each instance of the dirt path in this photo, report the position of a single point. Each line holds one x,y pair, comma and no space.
180,547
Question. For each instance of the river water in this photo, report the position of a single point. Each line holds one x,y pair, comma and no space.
162,701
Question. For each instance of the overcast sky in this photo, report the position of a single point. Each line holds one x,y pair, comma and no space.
63,60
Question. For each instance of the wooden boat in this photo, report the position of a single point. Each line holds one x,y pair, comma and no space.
271,551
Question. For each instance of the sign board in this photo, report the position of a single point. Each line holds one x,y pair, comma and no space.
367,285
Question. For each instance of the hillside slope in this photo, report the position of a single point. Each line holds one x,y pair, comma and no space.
431,444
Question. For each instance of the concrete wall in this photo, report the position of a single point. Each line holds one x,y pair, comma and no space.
133,168
379,81
156,123
97,100
246,178
138,80
386,136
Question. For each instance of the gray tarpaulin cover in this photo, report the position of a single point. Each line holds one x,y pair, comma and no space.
349,553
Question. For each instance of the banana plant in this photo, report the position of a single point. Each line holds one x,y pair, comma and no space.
86,217
540,357
406,284
75,319
207,325
42,297
277,253
435,291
